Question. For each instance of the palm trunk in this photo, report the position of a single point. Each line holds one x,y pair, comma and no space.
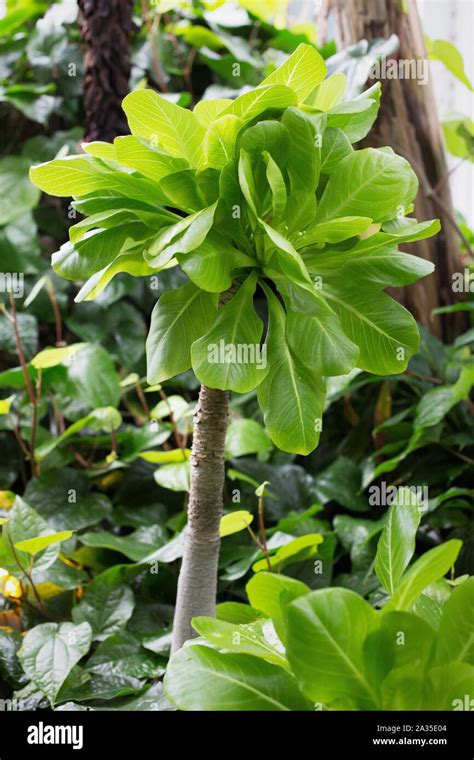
409,123
105,30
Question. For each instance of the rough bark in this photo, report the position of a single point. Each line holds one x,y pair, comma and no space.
197,585
105,30
409,123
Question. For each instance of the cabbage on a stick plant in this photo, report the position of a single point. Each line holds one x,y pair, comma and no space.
262,191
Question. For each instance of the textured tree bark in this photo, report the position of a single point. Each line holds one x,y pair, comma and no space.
105,30
408,122
197,585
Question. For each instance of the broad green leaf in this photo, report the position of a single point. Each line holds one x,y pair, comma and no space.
83,508
321,344
252,104
37,544
236,613
300,210
291,395
123,656
335,147
175,129
183,237
298,550
97,250
136,546
303,71
100,149
207,111
247,182
199,678
82,175
296,283
431,566
384,331
304,157
456,630
180,318
459,137
229,355
368,183
326,634
165,457
211,264
447,53
175,477
376,258
449,687
146,158
277,186
357,117
219,142
403,688
234,522
333,231
244,437
51,357
93,378
49,652
129,262
385,266
437,402
396,545
270,593
17,193
25,523
106,606
329,93
257,638
5,404
183,190
400,639
271,136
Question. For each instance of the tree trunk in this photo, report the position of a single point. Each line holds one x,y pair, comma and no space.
197,585
105,30
408,122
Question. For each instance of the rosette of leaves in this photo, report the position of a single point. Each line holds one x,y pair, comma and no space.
265,191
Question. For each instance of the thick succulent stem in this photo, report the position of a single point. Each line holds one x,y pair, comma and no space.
197,586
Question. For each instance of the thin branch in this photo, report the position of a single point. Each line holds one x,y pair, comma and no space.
263,535
56,311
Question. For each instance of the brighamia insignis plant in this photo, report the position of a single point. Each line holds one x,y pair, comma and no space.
263,191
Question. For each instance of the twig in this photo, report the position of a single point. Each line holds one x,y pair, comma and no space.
56,311
176,433
29,385
152,28
142,399
261,522
27,574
